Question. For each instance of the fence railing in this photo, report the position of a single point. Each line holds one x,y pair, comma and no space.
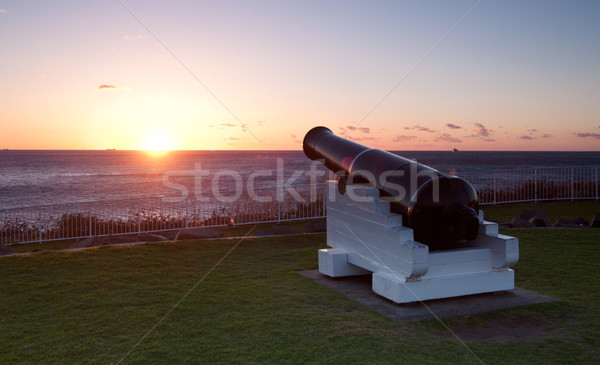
533,185
118,217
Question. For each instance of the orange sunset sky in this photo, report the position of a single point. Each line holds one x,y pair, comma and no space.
399,75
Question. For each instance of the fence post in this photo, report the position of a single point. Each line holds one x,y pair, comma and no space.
535,185
494,182
233,212
572,188
90,222
186,213
596,183
39,226
139,217
278,210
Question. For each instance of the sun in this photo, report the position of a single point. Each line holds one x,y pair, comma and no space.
157,143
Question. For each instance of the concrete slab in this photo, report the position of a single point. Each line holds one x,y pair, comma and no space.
358,288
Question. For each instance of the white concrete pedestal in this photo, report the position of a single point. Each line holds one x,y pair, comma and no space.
366,237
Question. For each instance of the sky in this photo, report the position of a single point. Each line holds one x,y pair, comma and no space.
257,75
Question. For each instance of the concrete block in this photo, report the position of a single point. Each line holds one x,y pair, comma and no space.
334,263
505,249
488,228
367,237
459,262
399,290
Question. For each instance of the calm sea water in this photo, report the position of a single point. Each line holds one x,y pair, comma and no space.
31,178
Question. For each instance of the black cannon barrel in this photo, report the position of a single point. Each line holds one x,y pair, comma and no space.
440,208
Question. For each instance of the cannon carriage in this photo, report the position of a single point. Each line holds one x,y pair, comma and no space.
419,232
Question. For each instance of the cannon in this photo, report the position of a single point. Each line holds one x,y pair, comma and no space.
440,208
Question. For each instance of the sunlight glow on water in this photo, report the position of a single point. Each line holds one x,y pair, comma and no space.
157,153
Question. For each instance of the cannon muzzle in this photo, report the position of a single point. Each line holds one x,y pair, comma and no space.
440,208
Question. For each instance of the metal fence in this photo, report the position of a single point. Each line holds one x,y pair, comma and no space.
134,216
534,185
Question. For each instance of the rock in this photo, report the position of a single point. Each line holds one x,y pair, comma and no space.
145,237
169,235
595,221
518,222
5,250
86,242
504,224
115,240
531,218
315,225
276,230
561,223
540,219
528,214
102,241
581,222
198,233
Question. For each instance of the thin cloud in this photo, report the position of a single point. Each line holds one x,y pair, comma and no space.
585,135
106,86
360,129
446,137
345,131
526,137
132,37
423,129
361,139
547,135
453,126
2,11
532,130
481,131
229,125
403,138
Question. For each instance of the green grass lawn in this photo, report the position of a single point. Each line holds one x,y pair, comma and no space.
94,306
555,210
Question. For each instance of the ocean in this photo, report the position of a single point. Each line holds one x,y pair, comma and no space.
35,178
